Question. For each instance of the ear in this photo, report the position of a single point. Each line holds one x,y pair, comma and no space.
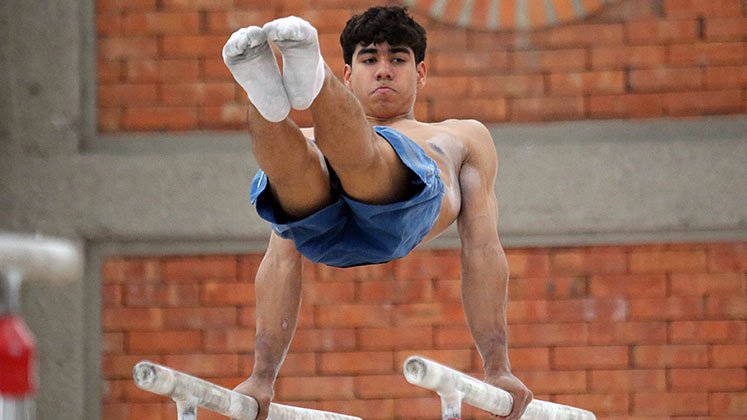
422,71
346,72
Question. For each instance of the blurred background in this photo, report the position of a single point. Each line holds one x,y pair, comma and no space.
622,140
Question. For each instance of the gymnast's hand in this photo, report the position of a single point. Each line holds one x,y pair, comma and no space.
261,390
511,384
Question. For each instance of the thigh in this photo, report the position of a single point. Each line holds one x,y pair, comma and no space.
307,192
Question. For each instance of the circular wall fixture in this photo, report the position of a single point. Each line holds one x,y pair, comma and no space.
506,15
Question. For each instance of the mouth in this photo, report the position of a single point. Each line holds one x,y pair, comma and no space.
383,90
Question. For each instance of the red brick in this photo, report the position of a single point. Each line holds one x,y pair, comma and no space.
705,103
627,332
670,356
317,293
111,295
214,69
162,295
548,60
587,82
599,357
324,340
395,291
665,79
109,25
692,8
224,22
705,380
707,54
469,62
627,106
356,362
115,95
619,57
132,319
567,310
226,116
158,118
729,355
516,85
641,285
445,290
708,284
127,48
549,288
229,340
657,31
211,93
726,307
579,35
160,23
447,39
486,110
599,404
298,364
441,87
548,334
726,257
395,338
702,332
190,46
199,318
205,365
660,261
456,337
118,6
132,411
376,272
217,294
113,343
164,342
546,108
627,380
316,388
528,263
171,71
732,403
199,269
670,404
130,270
725,29
197,4
555,382
108,119
385,386
725,77
347,315
683,308
424,314
524,359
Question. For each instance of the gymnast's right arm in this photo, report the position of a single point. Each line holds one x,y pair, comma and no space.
278,291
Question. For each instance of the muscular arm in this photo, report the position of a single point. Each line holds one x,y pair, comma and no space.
484,265
278,290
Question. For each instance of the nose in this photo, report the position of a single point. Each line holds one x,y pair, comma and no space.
384,71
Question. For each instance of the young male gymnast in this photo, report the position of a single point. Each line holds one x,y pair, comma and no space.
367,183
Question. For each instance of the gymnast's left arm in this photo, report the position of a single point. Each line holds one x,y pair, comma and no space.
485,268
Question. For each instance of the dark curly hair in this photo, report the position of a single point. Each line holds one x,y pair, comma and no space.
376,25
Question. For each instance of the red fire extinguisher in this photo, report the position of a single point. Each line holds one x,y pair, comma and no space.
17,349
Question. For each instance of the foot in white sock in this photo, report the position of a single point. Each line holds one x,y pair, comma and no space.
252,63
303,66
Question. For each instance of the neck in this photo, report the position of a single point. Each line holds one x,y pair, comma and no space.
373,120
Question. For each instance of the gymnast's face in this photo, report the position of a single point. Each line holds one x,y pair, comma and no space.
385,79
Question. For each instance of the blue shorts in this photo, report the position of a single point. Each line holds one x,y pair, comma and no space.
347,232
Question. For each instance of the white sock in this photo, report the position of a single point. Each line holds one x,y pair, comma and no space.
303,66
252,63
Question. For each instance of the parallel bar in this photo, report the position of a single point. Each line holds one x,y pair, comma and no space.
182,387
444,380
40,258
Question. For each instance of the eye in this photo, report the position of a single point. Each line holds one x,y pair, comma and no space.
369,60
399,60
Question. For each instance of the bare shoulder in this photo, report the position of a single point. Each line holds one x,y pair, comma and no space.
475,137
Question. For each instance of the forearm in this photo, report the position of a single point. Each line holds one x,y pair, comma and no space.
484,296
278,295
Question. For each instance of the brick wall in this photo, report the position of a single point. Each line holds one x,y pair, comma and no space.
159,65
630,332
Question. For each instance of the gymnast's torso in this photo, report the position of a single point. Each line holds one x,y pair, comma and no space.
448,143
